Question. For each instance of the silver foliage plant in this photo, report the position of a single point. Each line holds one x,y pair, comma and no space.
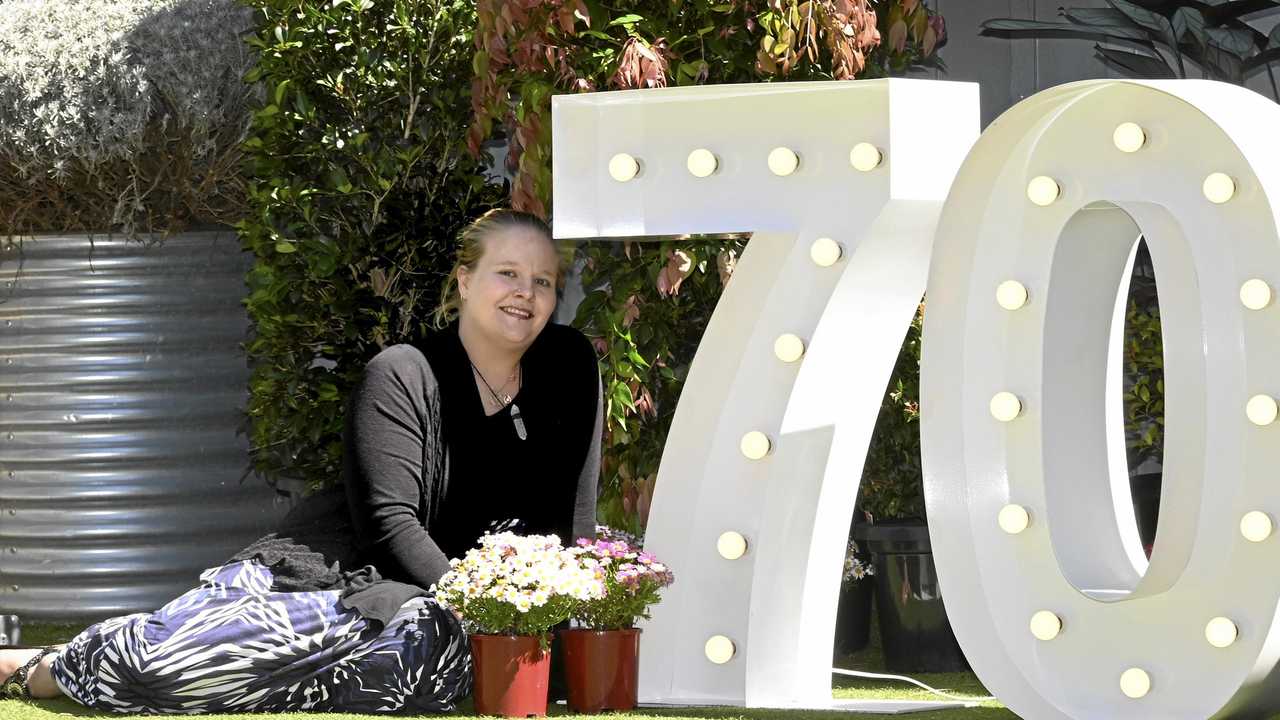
100,98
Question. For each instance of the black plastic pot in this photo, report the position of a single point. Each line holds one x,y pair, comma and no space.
914,630
1145,488
853,616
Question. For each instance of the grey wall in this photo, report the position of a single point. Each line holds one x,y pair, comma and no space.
1012,70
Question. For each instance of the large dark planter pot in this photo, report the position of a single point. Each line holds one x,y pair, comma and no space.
1145,488
914,629
602,667
853,616
511,674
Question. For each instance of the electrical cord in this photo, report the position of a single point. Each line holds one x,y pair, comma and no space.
913,681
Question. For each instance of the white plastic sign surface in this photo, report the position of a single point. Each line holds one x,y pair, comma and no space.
843,185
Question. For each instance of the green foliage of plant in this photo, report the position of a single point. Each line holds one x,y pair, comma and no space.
1143,366
646,307
648,302
361,181
1164,37
122,116
892,482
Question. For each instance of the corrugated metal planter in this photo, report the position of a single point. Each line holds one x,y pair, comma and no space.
122,384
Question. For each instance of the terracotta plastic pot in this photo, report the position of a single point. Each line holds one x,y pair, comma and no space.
510,675
603,668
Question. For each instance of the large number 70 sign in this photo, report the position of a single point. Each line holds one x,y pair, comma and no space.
857,193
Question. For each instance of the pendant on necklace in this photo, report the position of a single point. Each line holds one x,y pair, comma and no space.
518,422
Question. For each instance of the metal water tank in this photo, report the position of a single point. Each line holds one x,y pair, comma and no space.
122,387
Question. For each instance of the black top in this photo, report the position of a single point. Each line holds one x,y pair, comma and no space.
426,472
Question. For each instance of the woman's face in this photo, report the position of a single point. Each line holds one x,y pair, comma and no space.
511,292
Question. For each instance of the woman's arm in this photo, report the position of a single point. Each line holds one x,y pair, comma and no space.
385,475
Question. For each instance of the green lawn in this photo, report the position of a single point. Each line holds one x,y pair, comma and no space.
964,684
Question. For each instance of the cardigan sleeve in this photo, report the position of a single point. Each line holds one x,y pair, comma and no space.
584,506
391,447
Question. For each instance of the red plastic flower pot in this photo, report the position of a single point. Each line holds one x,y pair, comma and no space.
511,674
602,668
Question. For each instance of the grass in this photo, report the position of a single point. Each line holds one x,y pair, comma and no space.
870,660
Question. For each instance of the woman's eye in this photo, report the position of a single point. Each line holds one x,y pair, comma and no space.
544,282
508,273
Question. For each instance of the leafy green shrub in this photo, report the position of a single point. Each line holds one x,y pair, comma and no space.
648,303
892,481
1143,366
646,307
361,181
121,115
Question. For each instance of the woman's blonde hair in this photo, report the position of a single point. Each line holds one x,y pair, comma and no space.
471,249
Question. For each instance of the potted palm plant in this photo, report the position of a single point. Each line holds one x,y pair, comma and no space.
602,655
1166,38
510,592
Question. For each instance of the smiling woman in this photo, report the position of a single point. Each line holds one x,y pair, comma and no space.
436,453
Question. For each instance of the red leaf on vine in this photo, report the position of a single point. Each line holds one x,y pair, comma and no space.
565,18
641,66
679,266
644,403
630,311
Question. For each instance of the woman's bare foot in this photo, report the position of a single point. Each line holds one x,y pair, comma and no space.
40,681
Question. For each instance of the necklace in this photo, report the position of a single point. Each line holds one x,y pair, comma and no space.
516,418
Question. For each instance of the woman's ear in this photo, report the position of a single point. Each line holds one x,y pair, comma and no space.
464,281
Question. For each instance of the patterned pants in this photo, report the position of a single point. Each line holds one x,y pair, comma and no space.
232,645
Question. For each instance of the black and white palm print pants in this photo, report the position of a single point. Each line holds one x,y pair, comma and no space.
232,645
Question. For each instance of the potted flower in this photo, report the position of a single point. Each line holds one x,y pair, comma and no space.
510,591
602,655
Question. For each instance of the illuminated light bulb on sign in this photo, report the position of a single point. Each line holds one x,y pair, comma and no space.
1013,519
1256,526
1221,632
1005,406
1255,294
1043,190
1135,683
719,649
825,252
731,545
1011,295
1045,625
1219,188
755,445
702,163
1129,137
865,157
788,348
783,161
623,167
1261,410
